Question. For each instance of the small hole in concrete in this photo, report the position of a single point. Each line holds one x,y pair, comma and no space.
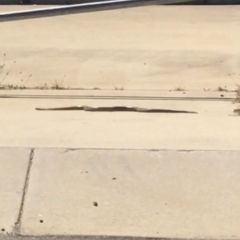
114,178
95,204
41,221
3,229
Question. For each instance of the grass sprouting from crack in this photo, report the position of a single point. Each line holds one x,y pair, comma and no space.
237,101
222,89
12,87
58,85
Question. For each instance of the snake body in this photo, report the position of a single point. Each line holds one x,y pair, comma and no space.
114,109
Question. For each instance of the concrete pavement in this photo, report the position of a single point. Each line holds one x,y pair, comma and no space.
122,174
147,48
134,193
213,128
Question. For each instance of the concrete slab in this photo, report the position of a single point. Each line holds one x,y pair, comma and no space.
158,47
213,128
14,164
134,193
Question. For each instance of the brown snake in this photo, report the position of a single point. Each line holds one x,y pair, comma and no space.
114,109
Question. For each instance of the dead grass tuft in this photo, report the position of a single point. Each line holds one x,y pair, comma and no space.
237,101
12,87
58,85
222,89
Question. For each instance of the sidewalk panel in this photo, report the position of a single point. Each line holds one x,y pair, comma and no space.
174,194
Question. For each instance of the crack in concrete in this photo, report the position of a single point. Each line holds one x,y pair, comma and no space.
17,226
